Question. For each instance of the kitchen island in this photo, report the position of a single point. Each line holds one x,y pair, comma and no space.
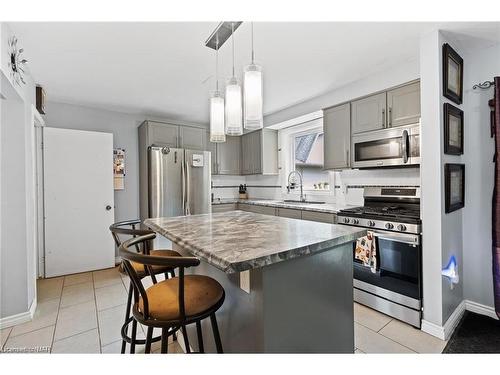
288,282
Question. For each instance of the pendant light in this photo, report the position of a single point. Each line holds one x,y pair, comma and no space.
233,110
217,131
252,89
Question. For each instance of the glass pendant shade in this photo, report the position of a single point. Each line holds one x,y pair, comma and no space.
234,115
252,89
217,130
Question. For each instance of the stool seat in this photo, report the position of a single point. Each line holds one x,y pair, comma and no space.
139,268
200,294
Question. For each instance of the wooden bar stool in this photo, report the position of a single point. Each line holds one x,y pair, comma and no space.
173,303
131,229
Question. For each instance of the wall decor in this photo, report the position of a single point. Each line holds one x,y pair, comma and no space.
453,74
16,62
453,130
119,168
454,185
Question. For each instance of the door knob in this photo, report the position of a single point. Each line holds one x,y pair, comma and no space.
108,207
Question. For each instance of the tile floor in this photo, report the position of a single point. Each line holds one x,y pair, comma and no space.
83,313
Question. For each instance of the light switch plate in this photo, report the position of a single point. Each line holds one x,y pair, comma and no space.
197,160
245,281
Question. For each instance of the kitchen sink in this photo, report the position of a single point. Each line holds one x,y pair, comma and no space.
301,202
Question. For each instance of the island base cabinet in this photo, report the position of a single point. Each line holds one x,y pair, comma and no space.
302,305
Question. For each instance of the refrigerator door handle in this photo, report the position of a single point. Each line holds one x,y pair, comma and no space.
183,178
188,187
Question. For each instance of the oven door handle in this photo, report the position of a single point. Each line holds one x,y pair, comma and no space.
405,146
410,240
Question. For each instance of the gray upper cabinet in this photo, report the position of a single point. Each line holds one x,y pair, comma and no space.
259,152
403,105
369,113
337,137
228,156
212,147
162,134
192,138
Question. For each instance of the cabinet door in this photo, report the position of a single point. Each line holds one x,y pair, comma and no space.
212,147
403,105
322,217
246,154
290,213
369,113
256,152
337,137
223,207
163,134
264,210
192,138
229,155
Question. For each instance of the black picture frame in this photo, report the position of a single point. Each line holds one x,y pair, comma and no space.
453,130
453,74
454,182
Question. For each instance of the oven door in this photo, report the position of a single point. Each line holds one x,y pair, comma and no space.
387,147
398,272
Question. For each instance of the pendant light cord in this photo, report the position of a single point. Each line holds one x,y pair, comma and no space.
253,54
232,37
217,63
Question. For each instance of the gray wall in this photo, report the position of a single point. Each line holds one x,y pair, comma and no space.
124,129
479,148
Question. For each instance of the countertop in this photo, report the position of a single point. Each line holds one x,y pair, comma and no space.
331,208
237,241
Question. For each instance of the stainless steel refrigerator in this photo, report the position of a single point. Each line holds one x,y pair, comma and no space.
179,182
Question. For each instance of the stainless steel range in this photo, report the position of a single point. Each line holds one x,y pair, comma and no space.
390,282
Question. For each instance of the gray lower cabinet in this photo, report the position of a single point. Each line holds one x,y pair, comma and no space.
290,213
192,138
323,217
264,210
403,105
369,113
337,137
223,207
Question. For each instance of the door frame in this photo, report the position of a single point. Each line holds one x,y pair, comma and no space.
39,230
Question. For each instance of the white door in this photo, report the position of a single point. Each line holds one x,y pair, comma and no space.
79,204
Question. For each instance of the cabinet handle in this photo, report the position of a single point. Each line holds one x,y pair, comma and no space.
390,117
383,118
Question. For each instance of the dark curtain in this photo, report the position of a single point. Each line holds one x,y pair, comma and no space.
495,129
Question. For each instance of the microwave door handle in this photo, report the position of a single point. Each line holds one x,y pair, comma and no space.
405,146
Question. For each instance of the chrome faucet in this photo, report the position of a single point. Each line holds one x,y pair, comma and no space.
292,185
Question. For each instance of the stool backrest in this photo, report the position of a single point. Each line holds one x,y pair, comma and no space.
129,229
179,262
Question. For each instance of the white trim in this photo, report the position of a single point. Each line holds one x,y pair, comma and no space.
445,331
24,317
297,120
480,309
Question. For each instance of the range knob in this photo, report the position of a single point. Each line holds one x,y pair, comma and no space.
355,221
402,227
346,220
389,226
371,223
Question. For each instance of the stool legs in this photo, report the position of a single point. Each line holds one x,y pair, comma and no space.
149,337
127,314
164,340
186,340
133,336
215,329
201,349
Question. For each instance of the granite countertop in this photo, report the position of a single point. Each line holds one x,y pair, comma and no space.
331,208
237,241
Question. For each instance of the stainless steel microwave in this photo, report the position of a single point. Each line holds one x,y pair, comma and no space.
388,147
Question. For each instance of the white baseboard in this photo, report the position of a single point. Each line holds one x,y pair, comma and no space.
444,332
20,318
480,309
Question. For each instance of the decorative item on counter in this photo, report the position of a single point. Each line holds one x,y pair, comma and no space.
119,168
320,185
326,185
243,192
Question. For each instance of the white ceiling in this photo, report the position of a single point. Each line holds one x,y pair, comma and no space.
164,69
